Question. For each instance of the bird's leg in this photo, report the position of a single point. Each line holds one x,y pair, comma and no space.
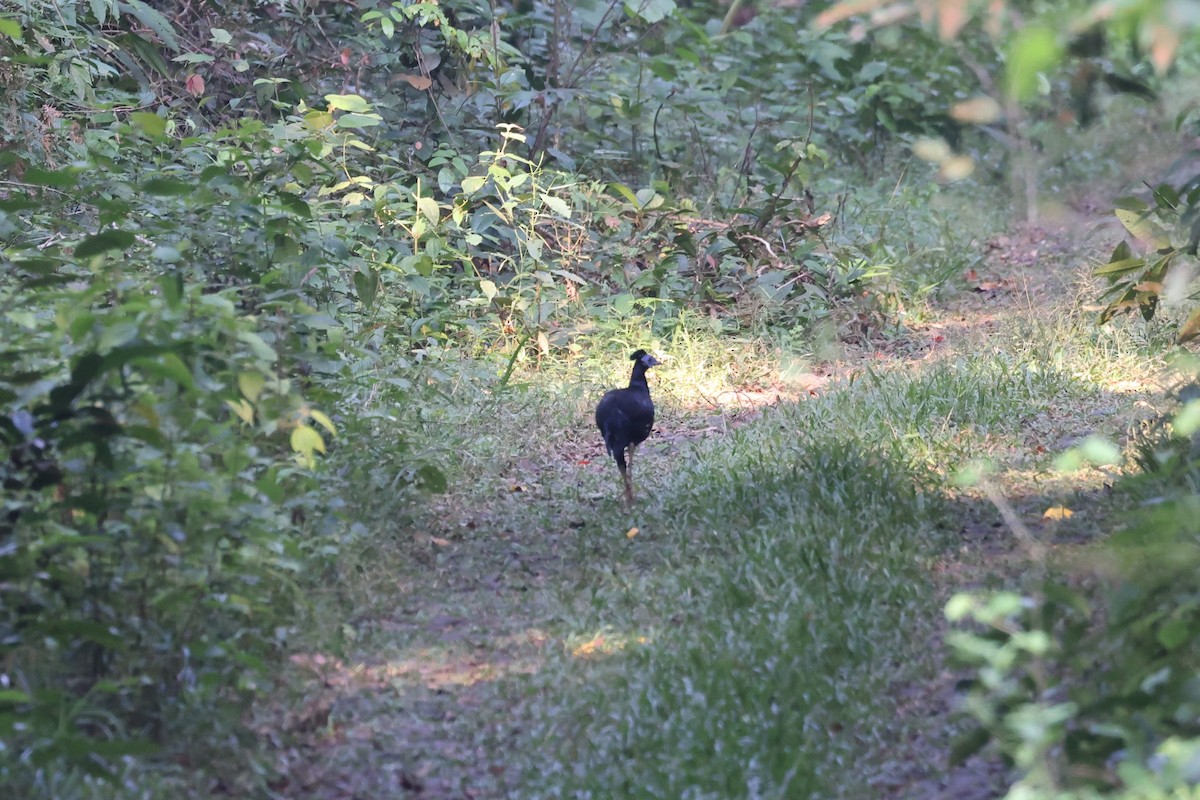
626,475
629,458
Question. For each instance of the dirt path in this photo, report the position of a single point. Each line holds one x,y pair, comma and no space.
427,709
1018,291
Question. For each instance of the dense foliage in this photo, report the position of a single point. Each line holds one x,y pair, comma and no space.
243,243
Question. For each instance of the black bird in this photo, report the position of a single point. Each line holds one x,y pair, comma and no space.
625,417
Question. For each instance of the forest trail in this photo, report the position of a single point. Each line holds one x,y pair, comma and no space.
447,653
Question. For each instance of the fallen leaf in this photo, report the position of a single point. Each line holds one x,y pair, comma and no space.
194,85
979,110
632,532
418,82
956,168
588,648
932,149
1058,513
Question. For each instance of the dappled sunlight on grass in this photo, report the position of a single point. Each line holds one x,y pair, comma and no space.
606,643
797,529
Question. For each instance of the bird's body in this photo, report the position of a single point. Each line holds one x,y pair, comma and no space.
626,416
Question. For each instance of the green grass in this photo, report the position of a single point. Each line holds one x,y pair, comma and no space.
777,589
754,636
751,640
761,638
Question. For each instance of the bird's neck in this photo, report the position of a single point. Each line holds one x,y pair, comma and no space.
638,379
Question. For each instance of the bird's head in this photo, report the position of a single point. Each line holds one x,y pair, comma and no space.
643,357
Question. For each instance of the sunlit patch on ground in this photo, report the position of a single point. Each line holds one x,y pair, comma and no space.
433,668
604,644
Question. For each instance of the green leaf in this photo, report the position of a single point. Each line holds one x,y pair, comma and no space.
422,263
489,289
169,366
152,19
1166,197
62,179
1174,633
473,183
193,58
82,325
103,242
318,121
10,28
650,10
295,204
323,420
347,102
92,631
1032,51
13,697
1066,597
242,409
166,254
1100,452
1142,227
359,120
258,346
251,385
171,285
557,205
429,207
168,187
306,441
623,304
625,192
147,51
1115,269
533,246
432,479
366,285
14,204
149,123
120,344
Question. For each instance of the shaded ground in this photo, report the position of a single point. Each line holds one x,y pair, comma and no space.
427,706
